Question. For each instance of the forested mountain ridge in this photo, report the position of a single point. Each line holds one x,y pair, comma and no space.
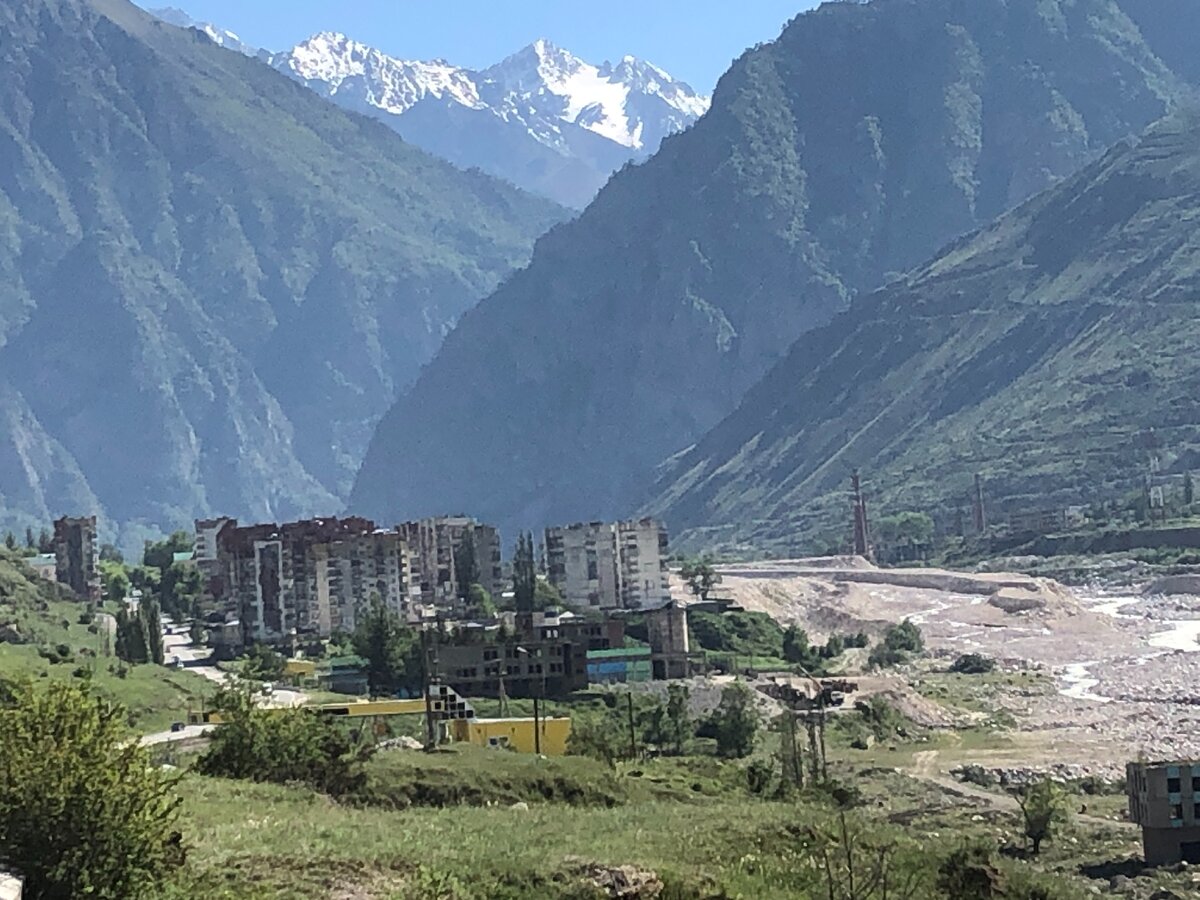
213,281
1051,353
849,150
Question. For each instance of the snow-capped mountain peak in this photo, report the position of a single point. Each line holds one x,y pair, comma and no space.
543,118
333,63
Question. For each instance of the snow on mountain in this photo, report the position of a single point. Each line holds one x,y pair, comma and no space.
543,118
332,63
548,83
174,16
541,93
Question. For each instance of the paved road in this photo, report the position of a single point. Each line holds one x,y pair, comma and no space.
176,643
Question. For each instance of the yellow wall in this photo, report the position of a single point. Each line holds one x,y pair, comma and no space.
302,667
517,734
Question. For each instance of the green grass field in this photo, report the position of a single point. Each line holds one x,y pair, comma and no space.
155,696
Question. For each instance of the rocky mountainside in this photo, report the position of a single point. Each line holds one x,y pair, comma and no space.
220,36
851,149
543,118
1050,352
213,281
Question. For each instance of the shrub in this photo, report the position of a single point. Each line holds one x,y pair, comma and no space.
282,746
83,813
973,664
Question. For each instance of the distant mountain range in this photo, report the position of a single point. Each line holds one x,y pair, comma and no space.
864,139
1052,353
213,281
543,119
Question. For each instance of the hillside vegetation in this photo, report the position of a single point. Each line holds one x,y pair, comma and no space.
852,148
1051,352
46,633
214,281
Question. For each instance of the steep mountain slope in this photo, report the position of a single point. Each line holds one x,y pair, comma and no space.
542,119
213,281
221,36
856,145
1041,353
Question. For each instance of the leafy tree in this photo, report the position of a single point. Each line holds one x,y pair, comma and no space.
599,735
479,600
900,643
109,553
161,554
970,874
700,576
263,664
179,590
905,529
83,812
114,581
45,542
30,541
973,664
131,642
834,647
1044,809
796,648
283,746
391,650
546,596
150,619
10,541
736,722
671,722
524,576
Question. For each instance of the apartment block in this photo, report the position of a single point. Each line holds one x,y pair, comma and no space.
433,543
604,566
309,578
77,556
1164,799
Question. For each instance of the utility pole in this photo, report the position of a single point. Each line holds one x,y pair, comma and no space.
425,682
862,526
537,731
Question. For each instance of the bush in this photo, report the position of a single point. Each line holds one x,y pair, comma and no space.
900,643
736,722
973,664
83,813
283,746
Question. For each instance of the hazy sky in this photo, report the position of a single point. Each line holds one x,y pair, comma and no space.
692,39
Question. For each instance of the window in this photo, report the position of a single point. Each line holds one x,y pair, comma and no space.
1196,784
556,668
1176,811
1196,811
1173,785
489,655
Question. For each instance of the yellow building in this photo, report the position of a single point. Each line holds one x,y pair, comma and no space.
513,734
304,668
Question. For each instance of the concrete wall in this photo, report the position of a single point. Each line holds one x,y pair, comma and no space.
1165,846
10,888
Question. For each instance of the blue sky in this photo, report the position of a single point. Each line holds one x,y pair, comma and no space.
692,39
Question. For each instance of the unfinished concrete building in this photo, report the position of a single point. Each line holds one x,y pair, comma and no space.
433,543
77,556
1164,799
603,566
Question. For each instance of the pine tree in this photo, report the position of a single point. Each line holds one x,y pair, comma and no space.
151,627
10,541
1189,490
525,580
29,541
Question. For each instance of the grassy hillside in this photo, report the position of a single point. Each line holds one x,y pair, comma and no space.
46,620
1052,353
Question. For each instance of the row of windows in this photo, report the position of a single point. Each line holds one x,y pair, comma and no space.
1177,811
1175,785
